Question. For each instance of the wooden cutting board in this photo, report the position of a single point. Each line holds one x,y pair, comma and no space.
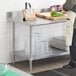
47,15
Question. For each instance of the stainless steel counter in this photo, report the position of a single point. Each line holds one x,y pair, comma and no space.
16,16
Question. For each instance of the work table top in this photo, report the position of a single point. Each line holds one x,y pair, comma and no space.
16,16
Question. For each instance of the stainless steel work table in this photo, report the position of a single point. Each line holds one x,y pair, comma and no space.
16,17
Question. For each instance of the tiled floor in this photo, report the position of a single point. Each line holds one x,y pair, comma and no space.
43,64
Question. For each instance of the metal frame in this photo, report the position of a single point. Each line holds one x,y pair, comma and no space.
13,42
13,47
30,59
30,44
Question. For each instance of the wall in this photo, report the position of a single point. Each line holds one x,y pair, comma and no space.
5,27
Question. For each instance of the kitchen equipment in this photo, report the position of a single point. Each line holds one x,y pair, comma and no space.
52,8
59,43
28,12
55,8
47,15
28,9
3,69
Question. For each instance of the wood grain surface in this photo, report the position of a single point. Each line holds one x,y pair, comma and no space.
47,15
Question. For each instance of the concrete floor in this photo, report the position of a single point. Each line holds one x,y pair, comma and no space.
43,64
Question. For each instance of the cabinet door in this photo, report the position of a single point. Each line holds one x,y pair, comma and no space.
42,35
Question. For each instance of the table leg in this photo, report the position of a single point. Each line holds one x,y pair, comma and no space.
13,42
30,59
30,64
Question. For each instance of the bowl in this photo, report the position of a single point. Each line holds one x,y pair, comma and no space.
56,8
